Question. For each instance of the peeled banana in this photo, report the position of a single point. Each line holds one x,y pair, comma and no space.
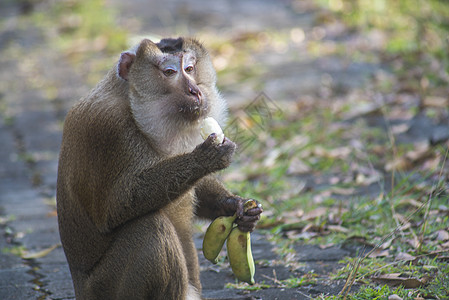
240,256
209,126
215,236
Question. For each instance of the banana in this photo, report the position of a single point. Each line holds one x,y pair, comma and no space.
215,236
239,251
209,126
240,256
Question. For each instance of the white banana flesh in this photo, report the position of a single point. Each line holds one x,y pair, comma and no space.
209,126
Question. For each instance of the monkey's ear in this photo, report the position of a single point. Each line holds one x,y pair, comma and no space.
124,64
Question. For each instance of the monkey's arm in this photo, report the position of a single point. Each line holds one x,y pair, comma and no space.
155,186
215,200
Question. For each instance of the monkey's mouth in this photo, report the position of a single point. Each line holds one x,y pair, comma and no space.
193,108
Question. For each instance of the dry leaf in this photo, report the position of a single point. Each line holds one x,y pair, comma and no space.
442,235
39,254
436,101
400,128
398,164
387,244
413,242
295,235
362,110
402,256
342,191
326,246
341,152
379,253
292,217
402,220
393,279
421,151
307,227
271,158
411,202
337,228
394,297
444,246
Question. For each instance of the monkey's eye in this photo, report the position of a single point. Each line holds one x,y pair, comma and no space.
189,69
169,72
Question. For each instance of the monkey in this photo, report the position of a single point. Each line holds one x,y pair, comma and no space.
134,173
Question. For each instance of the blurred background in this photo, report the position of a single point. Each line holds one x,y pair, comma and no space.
340,109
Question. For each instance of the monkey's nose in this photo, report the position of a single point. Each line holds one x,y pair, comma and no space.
196,92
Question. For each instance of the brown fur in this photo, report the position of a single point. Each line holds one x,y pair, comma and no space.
131,176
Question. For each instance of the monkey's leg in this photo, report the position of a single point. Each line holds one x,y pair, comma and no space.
146,261
191,257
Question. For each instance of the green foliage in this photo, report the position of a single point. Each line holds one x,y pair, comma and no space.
415,30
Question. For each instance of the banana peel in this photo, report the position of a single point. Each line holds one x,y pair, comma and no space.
239,250
240,255
215,237
238,244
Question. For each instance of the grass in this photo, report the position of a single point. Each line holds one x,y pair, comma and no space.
408,206
85,32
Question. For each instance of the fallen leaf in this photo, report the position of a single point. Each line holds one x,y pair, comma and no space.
39,254
362,110
411,202
271,158
295,235
413,242
394,297
402,256
436,101
379,253
445,245
442,235
393,279
337,228
342,191
422,150
400,128
387,244
326,246
292,217
443,258
398,164
340,152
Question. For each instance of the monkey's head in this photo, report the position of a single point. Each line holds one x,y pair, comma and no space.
171,83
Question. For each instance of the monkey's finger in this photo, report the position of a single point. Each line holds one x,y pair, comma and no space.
247,227
210,139
240,209
247,219
254,211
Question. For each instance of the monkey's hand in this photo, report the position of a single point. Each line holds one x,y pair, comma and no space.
246,221
212,156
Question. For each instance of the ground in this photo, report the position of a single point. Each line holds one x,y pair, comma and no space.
293,57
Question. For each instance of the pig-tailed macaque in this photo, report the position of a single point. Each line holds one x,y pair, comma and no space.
134,172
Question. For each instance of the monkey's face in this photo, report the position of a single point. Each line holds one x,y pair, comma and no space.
174,79
178,71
